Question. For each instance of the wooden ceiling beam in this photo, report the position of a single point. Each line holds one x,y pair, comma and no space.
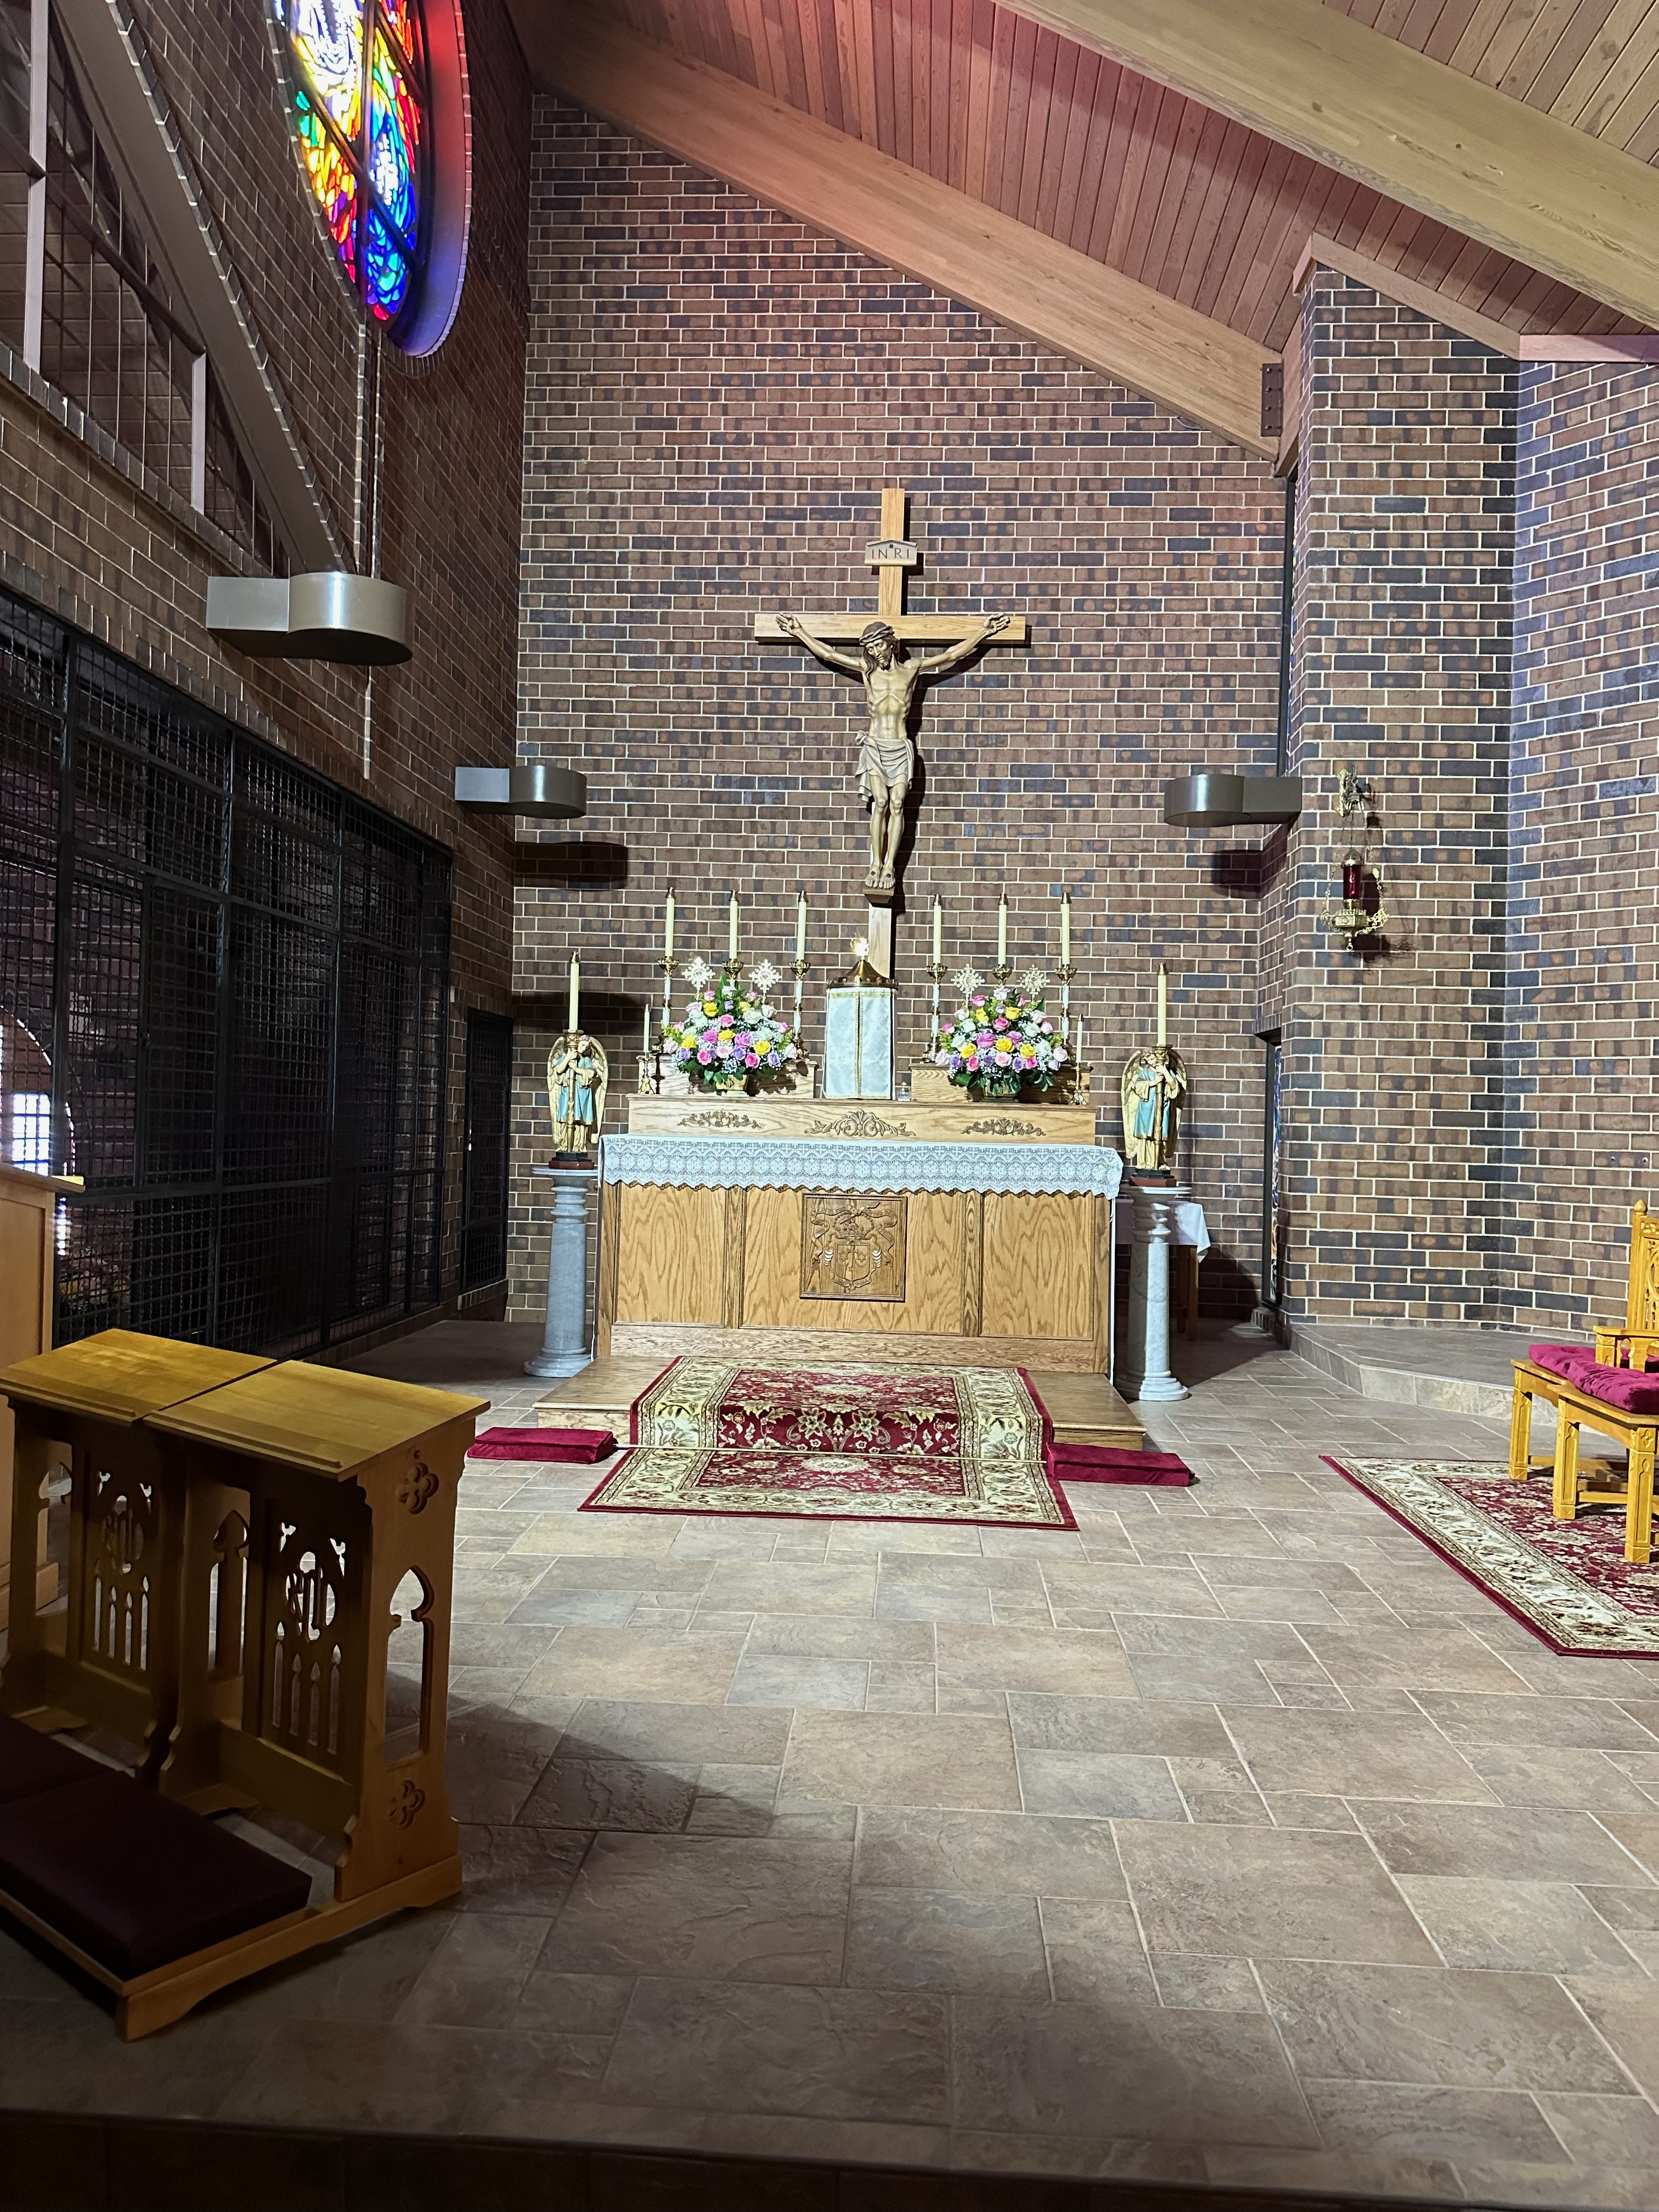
1359,102
900,216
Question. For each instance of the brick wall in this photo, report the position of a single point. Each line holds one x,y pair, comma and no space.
717,396
82,533
1584,986
1394,1060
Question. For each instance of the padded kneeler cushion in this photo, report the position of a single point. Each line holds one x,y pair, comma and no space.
30,1762
133,1879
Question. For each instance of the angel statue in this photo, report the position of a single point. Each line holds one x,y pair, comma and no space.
887,757
1154,1086
578,1074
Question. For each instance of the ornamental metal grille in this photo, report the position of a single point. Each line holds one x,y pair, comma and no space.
223,1001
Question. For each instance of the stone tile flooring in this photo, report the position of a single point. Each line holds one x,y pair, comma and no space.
1234,1838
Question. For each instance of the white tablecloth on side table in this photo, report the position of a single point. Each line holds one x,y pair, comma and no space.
1187,1224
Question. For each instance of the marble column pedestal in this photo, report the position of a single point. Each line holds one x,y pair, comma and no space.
565,1348
1146,1365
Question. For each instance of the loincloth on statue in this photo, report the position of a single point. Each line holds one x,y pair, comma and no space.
894,759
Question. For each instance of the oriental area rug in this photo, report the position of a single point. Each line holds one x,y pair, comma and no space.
1568,1581
839,1443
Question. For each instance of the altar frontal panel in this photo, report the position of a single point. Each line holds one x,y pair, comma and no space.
795,1273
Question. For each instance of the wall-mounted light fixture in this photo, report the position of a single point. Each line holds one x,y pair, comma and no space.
1359,914
556,794
331,614
1215,799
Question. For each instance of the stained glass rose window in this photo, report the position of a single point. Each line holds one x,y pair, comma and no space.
378,100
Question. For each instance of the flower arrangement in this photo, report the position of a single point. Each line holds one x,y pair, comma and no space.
1002,1039
728,1031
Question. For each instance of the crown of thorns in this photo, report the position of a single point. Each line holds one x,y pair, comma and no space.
878,634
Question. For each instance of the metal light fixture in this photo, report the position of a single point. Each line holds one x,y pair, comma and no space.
330,614
537,787
1217,800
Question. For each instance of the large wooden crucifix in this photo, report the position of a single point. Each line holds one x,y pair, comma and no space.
887,757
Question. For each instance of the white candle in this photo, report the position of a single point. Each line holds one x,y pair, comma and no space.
575,989
732,929
938,930
801,927
1002,932
1066,929
1077,1053
648,1028
1162,1005
668,928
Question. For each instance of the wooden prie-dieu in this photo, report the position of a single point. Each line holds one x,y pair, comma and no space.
246,1538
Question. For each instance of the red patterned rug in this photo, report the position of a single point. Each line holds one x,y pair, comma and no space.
1568,1581
839,1443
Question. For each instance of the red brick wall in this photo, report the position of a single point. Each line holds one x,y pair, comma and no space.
83,537
718,396
1584,970
1394,1060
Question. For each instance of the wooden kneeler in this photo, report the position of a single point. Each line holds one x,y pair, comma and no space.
110,1657
309,1496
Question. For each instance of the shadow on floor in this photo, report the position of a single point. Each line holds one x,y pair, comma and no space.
450,1352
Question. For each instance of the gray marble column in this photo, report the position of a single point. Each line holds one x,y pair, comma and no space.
565,1349
1146,1367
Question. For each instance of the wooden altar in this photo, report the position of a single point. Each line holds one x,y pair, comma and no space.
795,1229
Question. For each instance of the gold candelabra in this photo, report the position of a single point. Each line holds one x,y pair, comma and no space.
1065,970
797,970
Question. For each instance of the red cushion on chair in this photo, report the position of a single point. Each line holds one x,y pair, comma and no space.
1618,1386
30,1762
134,1880
1566,1360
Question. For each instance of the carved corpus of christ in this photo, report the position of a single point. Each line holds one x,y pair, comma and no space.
887,757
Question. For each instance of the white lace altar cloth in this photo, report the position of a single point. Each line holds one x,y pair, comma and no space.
820,1164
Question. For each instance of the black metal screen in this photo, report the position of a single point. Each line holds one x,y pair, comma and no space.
223,1001
489,1133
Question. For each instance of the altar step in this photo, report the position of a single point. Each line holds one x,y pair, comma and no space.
1084,1408
1459,1371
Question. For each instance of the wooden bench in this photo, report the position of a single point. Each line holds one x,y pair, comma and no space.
1628,1413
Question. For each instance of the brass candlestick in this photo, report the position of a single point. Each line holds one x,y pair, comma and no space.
667,966
798,969
1065,970
935,970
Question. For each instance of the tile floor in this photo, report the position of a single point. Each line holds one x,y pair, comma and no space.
1233,1838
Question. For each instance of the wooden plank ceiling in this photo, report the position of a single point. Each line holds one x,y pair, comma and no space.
1157,186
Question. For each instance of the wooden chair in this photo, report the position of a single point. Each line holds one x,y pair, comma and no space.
1624,1352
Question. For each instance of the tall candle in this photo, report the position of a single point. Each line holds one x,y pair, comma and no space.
801,927
1002,932
1076,1050
647,1026
938,930
575,989
1066,929
1162,1005
732,929
668,928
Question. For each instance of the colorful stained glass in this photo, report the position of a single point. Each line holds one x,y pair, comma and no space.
359,113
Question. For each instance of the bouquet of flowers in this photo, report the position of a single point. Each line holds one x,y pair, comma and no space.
728,1031
1002,1040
